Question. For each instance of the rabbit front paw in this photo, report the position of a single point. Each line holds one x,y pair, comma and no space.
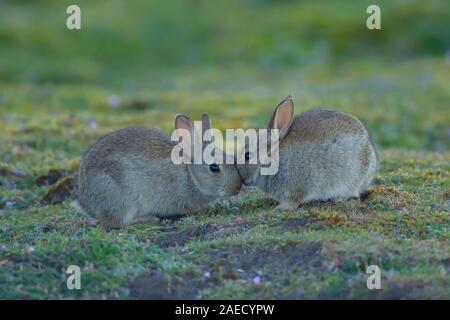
287,206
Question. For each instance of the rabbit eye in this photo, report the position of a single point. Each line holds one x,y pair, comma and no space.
214,167
247,156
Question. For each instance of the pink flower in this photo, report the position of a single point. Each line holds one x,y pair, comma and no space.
91,123
256,280
93,222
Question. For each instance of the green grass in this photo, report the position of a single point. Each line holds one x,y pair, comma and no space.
235,61
319,251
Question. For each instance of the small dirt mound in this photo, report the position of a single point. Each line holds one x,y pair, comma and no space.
183,237
60,191
51,177
389,195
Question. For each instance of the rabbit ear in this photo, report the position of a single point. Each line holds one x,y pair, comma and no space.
206,124
184,123
283,116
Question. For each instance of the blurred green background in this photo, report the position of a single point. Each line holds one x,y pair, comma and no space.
235,59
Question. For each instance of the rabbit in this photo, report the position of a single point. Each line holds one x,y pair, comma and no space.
128,176
323,155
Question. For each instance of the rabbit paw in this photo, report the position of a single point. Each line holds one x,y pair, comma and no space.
287,206
148,218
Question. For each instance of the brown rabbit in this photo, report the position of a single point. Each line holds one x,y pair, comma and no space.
128,175
323,154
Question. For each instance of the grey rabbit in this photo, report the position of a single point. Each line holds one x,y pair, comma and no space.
128,176
323,154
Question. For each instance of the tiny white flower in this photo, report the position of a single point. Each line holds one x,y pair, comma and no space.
114,101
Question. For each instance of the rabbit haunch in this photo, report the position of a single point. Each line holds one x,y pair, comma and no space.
259,142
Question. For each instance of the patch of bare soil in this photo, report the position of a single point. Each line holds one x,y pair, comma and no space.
182,237
159,286
51,177
299,223
411,289
237,262
205,232
231,263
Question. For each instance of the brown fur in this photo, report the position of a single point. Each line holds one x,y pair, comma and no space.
128,175
318,125
324,154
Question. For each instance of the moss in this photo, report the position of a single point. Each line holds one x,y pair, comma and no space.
390,195
446,194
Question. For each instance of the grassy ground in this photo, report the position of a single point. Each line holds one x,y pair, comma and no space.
319,251
60,91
